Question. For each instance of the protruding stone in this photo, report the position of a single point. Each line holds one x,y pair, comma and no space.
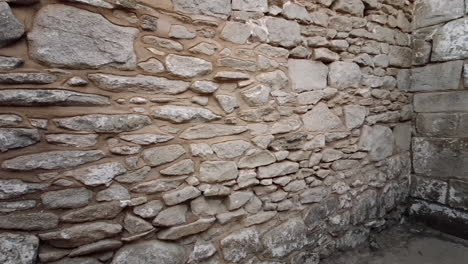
257,159
229,76
27,78
11,29
228,103
10,207
138,84
278,169
100,211
204,87
115,192
307,75
162,155
354,7
354,115
182,167
231,149
162,43
182,114
181,195
52,160
201,251
187,67
104,123
283,32
16,188
146,139
7,120
321,119
250,5
171,216
75,38
152,66
181,32
100,246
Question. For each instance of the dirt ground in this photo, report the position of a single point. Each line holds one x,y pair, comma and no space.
407,244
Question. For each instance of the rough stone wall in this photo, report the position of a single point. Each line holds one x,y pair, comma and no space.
200,131
439,80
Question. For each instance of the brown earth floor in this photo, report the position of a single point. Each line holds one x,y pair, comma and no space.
408,245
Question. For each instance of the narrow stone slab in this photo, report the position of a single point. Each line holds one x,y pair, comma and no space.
182,114
46,97
442,124
52,160
436,77
16,188
29,222
75,38
104,123
138,84
216,8
441,102
10,63
27,78
187,66
11,138
211,131
97,174
177,232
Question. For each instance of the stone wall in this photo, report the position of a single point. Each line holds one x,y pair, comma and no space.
202,131
439,80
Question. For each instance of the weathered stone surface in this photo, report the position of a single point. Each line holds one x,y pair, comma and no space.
146,139
115,192
457,194
429,189
204,87
11,29
15,188
216,8
155,186
100,211
230,76
171,216
95,175
7,120
52,160
138,84
182,167
283,32
134,176
432,12
162,155
237,246
440,157
47,97
69,198
182,114
10,63
231,149
285,238
201,251
72,140
29,221
152,66
12,138
96,3
18,249
236,32
9,207
378,140
100,246
238,199
82,234
187,67
27,78
149,209
434,77
354,7
321,119
151,252
104,123
181,195
256,159
449,42
228,103
278,169
177,232
250,5
84,260
181,32
400,56
307,75
344,75
163,43
218,171
75,38
442,124
441,102
211,131
354,115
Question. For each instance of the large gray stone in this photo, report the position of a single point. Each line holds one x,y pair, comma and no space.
457,197
283,32
151,252
52,160
378,140
146,139
100,211
104,123
307,75
256,159
29,221
181,195
47,97
16,188
278,169
138,84
211,131
354,115
354,7
18,249
434,77
78,235
7,120
216,8
11,138
187,67
69,198
344,75
161,155
231,149
95,175
450,40
11,29
75,38
442,124
218,171
400,56
9,207
441,102
321,119
182,114
236,32
432,12
238,245
250,5
441,157
429,189
177,232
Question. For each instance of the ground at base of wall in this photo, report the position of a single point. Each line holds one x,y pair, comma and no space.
407,244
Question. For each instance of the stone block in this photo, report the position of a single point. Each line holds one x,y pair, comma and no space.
441,102
436,77
307,75
442,124
429,189
450,41
216,8
432,12
441,157
458,194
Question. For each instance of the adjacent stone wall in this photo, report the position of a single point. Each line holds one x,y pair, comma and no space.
204,131
439,80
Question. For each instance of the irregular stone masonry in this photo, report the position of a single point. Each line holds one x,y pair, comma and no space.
208,131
